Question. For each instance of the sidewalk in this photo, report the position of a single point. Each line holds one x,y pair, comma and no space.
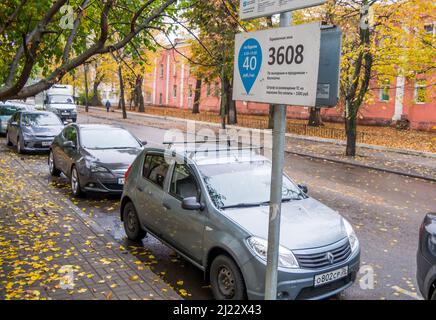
405,162
50,250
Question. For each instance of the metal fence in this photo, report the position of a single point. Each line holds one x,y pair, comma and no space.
260,122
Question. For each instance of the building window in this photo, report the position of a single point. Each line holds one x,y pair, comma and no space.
420,91
148,96
190,91
175,71
384,90
208,90
160,99
429,29
175,91
161,70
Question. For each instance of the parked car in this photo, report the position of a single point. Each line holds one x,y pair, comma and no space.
426,257
7,109
32,130
94,157
212,207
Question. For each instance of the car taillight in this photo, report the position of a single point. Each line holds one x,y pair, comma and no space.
126,174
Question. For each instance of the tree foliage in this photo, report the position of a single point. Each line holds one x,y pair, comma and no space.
46,39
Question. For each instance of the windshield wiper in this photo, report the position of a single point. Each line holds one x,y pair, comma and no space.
246,205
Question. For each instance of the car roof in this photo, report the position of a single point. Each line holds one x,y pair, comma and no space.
98,126
212,153
35,112
18,104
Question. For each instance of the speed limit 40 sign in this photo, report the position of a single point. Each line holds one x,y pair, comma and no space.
278,66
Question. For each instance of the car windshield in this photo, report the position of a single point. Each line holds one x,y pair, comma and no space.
8,110
60,98
40,119
244,184
108,139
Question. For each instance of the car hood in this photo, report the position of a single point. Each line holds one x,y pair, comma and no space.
304,223
49,131
113,158
5,118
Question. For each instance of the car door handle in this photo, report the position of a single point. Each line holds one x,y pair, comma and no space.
139,188
166,206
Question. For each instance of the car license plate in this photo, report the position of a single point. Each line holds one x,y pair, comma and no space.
46,143
121,181
330,276
65,114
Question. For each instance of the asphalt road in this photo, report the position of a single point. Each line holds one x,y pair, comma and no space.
385,209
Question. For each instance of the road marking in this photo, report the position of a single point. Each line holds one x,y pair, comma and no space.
411,294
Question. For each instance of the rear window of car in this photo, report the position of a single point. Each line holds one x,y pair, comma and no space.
155,169
8,110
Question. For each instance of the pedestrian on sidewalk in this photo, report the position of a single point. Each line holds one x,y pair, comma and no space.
108,105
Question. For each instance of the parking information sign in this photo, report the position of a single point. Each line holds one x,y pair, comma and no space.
261,8
278,66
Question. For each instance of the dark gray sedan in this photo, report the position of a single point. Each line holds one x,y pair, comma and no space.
426,257
33,130
94,157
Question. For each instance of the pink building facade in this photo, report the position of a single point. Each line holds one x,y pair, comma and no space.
171,84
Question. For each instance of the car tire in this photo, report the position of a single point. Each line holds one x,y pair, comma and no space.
20,145
226,279
8,140
52,165
75,183
132,226
433,296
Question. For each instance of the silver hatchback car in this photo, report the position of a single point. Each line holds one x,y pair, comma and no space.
211,205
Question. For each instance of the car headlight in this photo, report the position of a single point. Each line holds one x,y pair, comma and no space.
354,242
27,135
96,168
259,247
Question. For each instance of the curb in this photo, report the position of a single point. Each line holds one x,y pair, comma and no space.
289,135
410,175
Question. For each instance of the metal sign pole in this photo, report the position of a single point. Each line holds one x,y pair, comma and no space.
279,114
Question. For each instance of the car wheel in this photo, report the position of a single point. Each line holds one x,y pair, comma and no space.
433,296
20,145
226,279
52,166
75,183
8,140
131,223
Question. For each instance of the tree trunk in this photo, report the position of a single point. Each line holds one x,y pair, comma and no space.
139,96
86,87
223,105
231,105
122,99
315,119
95,101
197,97
351,130
271,117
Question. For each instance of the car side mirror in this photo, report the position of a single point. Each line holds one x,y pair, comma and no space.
192,203
69,144
303,188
